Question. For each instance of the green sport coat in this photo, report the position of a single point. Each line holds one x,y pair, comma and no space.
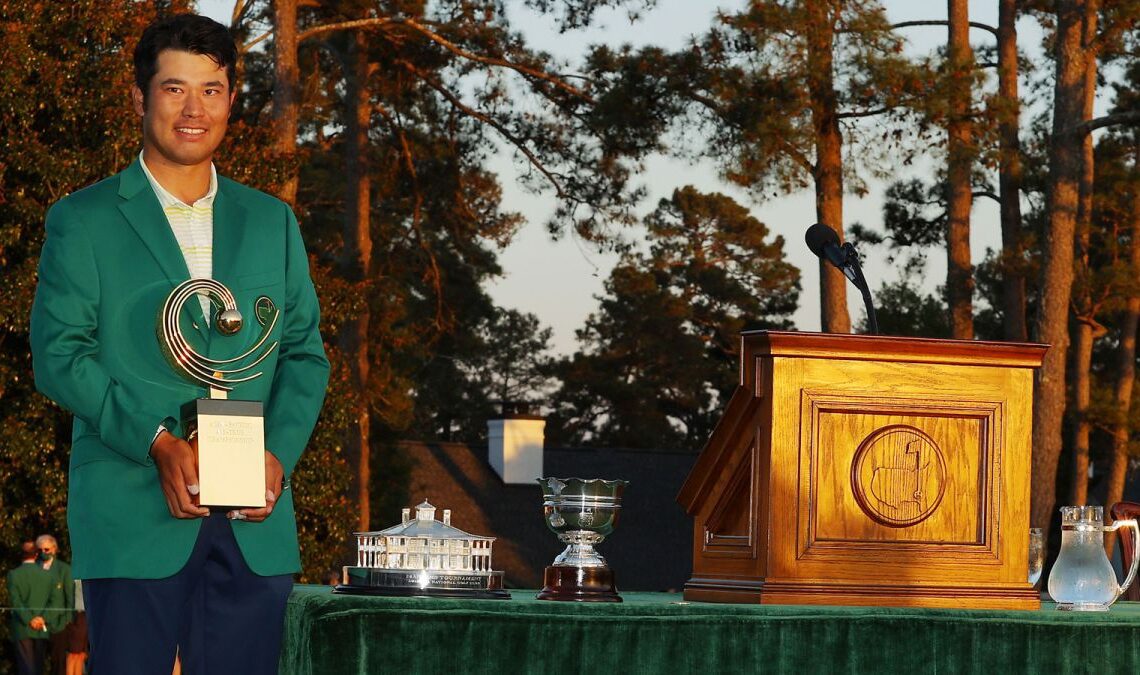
34,591
109,261
61,573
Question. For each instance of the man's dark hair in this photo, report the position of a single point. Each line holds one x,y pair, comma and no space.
187,33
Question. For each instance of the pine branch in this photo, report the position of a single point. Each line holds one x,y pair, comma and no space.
492,61
343,25
517,142
417,212
249,45
1130,117
973,24
862,113
241,7
987,193
450,46
1110,34
797,156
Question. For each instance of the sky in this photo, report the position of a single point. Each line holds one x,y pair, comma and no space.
559,281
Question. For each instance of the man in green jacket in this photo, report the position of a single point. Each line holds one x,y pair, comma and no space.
161,574
37,601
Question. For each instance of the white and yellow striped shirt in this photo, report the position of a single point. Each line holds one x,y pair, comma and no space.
193,227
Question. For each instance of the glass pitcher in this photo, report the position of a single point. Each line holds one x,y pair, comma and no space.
1082,579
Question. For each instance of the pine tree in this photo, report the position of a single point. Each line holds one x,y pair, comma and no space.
776,95
658,359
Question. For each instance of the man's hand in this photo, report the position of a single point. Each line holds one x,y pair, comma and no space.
38,623
274,475
177,475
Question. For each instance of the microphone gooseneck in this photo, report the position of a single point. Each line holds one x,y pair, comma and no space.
824,243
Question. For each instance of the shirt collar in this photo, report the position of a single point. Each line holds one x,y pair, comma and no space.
167,199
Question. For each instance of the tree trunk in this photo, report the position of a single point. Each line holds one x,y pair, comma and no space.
1126,367
960,161
1082,361
1009,176
357,261
286,85
1088,330
828,169
1057,247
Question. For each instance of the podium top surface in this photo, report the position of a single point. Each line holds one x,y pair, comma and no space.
888,348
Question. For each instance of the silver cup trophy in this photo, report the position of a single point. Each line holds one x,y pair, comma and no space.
582,512
229,434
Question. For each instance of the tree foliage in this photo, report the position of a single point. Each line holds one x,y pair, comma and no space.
781,96
502,365
657,361
64,123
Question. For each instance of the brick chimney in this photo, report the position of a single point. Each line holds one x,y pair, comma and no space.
514,445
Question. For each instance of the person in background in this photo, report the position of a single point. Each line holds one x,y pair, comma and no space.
60,571
33,595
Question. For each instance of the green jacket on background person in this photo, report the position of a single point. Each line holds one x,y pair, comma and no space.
34,591
61,573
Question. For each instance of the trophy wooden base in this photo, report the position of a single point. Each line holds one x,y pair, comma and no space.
579,584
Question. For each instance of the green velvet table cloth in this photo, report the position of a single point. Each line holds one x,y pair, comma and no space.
327,633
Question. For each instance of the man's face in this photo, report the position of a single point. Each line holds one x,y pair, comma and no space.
48,550
186,109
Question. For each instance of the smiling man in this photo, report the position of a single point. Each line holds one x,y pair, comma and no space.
162,575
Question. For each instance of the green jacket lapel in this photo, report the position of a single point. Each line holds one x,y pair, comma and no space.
142,210
229,233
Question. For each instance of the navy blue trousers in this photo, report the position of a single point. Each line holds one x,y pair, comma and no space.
216,614
30,654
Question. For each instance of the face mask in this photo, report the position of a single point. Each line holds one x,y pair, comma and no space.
44,557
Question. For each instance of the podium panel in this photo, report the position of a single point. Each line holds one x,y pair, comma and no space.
868,470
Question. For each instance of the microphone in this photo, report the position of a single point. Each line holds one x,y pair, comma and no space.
824,243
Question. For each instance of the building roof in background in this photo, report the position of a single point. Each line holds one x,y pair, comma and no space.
650,549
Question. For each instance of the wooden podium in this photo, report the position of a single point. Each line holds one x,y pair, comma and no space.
868,470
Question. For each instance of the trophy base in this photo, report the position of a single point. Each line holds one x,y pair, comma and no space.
230,452
579,584
422,583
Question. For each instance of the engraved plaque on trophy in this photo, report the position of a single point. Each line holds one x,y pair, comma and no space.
229,433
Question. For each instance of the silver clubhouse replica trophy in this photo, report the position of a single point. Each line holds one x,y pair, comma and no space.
230,434
582,512
423,556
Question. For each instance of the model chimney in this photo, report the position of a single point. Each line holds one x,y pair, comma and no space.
514,445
